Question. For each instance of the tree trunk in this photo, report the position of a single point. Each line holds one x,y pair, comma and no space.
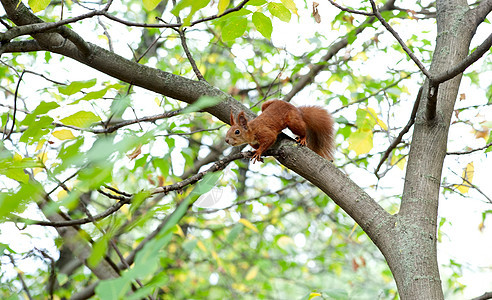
412,254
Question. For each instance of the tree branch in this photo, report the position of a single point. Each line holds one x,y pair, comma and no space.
465,63
358,204
334,49
399,39
470,151
357,12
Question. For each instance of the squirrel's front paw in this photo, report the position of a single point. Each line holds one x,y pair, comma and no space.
255,156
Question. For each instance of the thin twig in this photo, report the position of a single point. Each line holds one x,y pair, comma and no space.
399,39
402,133
15,106
370,14
470,151
373,94
181,32
21,278
471,185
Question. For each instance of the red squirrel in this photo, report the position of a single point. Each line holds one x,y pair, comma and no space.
312,124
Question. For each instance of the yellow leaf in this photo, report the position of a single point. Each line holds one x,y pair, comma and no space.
290,5
62,194
467,178
201,246
240,287
42,157
248,224
374,115
285,242
150,4
38,5
17,157
63,134
360,141
361,55
398,161
179,231
313,295
40,145
126,212
223,5
252,273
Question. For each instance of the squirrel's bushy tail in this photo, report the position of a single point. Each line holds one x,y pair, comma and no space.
320,135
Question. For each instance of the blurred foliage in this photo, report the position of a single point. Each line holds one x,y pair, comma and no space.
280,237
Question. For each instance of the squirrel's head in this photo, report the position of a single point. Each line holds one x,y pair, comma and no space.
238,133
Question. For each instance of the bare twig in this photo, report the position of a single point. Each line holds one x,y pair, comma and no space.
370,14
373,94
15,106
471,185
470,151
21,278
399,39
402,133
219,165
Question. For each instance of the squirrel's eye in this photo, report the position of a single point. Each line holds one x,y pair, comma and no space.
237,131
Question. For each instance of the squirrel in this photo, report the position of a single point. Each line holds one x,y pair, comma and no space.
312,124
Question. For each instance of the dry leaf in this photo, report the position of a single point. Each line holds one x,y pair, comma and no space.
316,15
462,96
135,153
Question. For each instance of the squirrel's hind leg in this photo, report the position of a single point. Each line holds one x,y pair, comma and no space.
298,127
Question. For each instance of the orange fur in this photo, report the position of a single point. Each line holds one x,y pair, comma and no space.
312,124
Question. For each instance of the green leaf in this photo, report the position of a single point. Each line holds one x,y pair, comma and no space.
223,5
17,202
76,86
150,4
280,11
81,119
98,250
45,107
202,103
263,24
119,105
256,2
234,28
38,5
195,5
208,182
93,95
36,130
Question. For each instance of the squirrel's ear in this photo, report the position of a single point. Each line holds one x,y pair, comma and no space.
232,118
242,120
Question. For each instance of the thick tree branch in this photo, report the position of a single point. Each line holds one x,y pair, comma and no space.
465,63
480,12
348,195
19,47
